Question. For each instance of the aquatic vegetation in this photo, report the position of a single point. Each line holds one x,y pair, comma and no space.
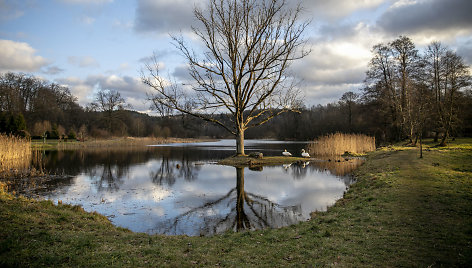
340,143
15,153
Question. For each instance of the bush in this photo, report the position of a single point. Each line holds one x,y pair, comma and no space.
14,124
72,135
54,133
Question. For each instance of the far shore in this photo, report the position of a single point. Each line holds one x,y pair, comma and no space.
116,142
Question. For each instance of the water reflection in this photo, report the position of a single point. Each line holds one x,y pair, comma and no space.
176,189
238,210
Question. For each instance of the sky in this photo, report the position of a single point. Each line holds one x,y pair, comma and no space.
88,45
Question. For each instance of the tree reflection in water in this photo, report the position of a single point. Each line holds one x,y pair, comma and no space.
164,174
237,210
109,177
165,190
169,170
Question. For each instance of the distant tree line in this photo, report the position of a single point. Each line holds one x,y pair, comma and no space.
406,96
30,106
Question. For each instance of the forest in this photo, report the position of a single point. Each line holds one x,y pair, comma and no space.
407,95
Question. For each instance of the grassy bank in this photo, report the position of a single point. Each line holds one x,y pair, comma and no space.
403,211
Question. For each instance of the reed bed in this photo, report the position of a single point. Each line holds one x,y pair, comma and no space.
339,144
15,154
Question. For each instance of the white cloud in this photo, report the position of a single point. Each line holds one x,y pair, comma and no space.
465,50
335,9
78,88
130,88
83,62
53,70
19,56
338,61
119,24
434,18
341,36
164,16
87,20
324,94
11,9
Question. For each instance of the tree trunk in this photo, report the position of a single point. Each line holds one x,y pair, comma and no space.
242,221
444,138
240,142
414,141
421,145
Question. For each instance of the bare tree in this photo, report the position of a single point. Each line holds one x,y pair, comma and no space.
406,56
392,79
248,48
446,75
349,100
380,87
108,101
82,134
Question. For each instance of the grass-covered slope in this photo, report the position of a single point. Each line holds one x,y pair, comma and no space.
403,211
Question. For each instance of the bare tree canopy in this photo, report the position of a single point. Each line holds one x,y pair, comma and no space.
248,48
412,89
108,101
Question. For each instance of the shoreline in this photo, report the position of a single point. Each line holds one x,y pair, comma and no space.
111,142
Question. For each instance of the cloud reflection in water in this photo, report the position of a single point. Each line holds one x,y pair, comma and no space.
168,193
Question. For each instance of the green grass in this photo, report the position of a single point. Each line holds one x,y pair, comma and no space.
403,211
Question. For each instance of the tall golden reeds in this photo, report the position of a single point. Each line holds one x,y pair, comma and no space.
339,143
15,153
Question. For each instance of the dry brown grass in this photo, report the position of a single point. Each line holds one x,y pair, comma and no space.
15,153
339,143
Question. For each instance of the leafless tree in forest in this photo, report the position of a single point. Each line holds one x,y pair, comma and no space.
416,90
108,101
248,48
447,75
391,80
348,100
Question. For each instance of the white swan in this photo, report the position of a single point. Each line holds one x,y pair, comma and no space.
305,154
285,153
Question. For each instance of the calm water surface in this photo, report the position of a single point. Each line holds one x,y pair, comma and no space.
177,188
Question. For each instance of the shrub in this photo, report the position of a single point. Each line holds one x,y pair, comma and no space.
72,135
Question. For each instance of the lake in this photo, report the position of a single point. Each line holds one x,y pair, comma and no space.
178,189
